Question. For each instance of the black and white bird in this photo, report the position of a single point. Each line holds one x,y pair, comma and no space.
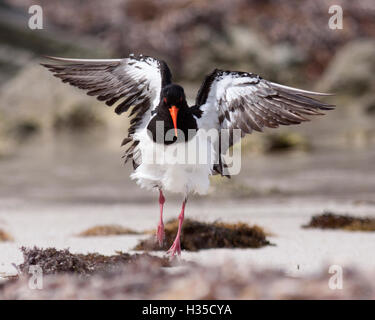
227,100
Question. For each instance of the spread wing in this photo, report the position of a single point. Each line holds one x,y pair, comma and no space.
134,82
245,101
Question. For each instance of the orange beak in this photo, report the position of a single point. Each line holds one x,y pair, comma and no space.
174,111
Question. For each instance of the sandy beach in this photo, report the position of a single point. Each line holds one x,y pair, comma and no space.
52,212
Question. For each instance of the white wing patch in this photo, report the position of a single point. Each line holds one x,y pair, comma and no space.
247,102
149,69
240,100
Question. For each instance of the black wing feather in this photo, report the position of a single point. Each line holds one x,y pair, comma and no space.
134,82
247,102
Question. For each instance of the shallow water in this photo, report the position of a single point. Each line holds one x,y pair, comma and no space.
89,171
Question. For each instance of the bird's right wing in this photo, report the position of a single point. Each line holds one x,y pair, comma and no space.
135,82
244,101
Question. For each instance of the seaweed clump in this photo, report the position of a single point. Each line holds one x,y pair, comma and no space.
107,230
25,129
329,220
286,141
198,235
53,261
5,236
81,117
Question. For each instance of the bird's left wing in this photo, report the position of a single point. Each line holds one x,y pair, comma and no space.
135,82
245,101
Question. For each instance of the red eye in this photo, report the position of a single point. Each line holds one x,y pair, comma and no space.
165,100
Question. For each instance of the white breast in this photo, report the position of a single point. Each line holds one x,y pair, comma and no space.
180,167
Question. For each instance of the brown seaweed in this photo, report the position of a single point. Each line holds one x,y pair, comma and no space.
198,235
329,220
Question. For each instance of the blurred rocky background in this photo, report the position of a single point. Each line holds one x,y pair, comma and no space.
61,170
50,131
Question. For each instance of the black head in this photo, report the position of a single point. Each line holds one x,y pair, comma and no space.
173,95
173,101
175,114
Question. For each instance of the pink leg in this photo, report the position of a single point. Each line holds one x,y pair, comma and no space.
160,232
176,246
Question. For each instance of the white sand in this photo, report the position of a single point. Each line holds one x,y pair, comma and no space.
298,251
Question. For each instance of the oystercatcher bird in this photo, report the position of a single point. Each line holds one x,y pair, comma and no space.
226,101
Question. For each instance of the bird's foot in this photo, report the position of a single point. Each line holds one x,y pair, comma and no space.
175,249
160,233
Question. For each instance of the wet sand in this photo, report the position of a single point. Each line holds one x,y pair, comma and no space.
50,194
